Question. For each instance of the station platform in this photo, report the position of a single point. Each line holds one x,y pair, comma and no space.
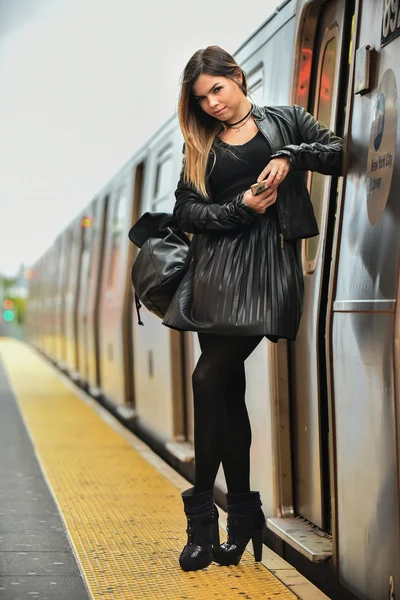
87,510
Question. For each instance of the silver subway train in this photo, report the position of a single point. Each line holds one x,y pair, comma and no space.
325,410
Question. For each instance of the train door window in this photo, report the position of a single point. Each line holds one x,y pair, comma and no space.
62,264
117,227
163,199
72,258
68,262
93,232
64,269
95,224
255,83
324,106
87,223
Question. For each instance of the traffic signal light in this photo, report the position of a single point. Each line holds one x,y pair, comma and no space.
8,304
8,313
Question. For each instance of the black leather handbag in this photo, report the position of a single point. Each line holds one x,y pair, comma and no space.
161,263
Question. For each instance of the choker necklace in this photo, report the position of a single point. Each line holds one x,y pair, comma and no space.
245,119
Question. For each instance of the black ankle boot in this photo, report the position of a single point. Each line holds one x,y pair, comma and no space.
202,530
245,520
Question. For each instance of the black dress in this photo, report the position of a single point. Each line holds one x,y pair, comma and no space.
264,279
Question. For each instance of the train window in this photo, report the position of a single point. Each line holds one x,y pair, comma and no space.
96,225
61,264
89,226
324,114
85,241
73,243
85,258
255,82
163,198
67,250
117,226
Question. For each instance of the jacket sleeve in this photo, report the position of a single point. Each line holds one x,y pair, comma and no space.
196,215
320,150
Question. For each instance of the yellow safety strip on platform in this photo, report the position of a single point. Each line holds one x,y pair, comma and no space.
124,518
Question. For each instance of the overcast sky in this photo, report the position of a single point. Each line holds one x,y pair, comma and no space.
83,84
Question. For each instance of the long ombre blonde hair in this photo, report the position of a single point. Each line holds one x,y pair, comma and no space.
198,128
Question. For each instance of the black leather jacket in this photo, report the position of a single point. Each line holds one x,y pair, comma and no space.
291,131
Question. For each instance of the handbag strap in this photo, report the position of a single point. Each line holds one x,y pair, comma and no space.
138,307
154,225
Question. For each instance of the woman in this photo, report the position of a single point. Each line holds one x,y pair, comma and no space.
245,280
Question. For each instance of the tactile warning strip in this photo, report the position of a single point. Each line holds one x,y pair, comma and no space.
124,518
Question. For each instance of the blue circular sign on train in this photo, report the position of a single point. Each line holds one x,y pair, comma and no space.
382,147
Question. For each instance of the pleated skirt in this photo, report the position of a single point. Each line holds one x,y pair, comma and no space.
241,283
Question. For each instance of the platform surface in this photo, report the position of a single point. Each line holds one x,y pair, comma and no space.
36,559
123,514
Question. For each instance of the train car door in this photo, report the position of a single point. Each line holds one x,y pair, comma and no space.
99,216
362,330
60,300
321,86
112,292
157,350
71,299
84,288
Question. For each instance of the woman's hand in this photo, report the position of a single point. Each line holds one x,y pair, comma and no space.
277,169
261,202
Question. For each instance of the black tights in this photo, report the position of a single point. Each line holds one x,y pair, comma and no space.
221,423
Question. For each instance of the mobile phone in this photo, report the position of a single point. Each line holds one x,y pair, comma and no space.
258,188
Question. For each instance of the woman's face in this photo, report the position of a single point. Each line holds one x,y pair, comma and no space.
218,96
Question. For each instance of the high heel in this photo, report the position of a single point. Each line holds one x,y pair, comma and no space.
256,538
245,521
202,529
